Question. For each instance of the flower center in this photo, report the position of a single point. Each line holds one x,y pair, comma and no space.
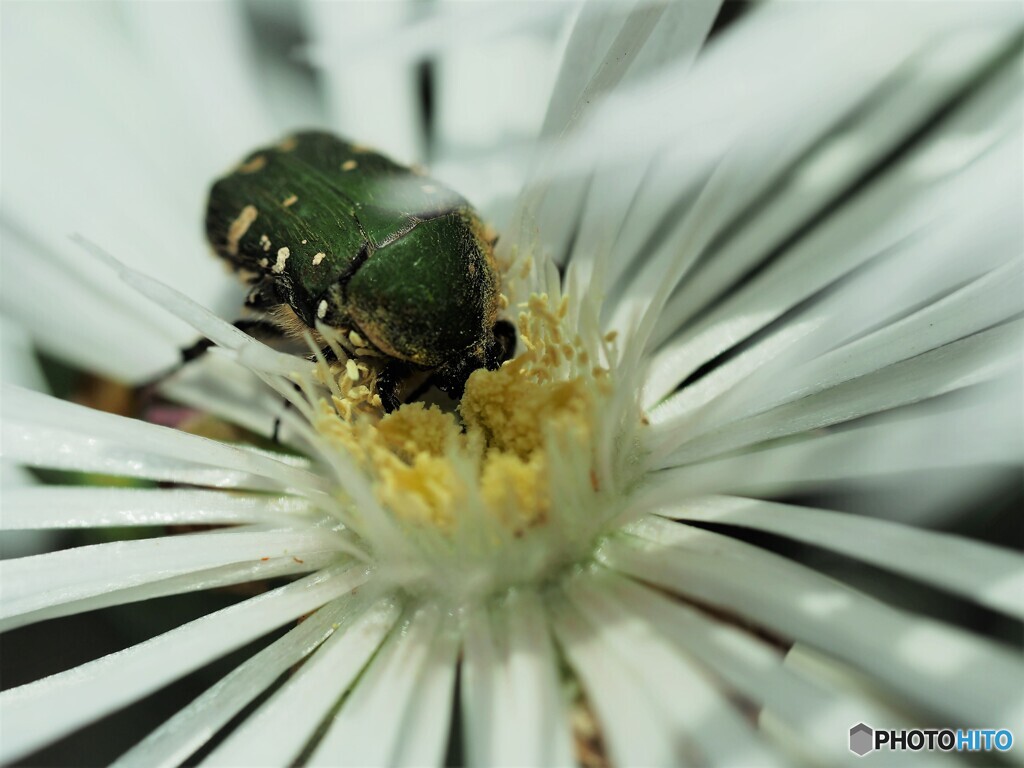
504,490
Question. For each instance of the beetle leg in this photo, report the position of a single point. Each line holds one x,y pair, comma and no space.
503,347
276,433
389,384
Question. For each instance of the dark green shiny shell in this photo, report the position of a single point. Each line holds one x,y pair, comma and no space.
344,236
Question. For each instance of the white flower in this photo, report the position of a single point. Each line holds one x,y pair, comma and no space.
790,265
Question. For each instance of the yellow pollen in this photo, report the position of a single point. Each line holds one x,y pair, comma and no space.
430,467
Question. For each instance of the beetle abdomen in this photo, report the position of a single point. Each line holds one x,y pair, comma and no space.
346,237
446,310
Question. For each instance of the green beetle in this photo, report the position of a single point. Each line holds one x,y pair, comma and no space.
330,232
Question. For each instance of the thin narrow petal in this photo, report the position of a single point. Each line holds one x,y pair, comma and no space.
210,578
369,728
218,385
105,336
903,101
704,717
424,735
612,203
190,728
279,730
609,44
867,703
989,575
860,327
64,577
633,729
221,332
899,204
977,359
512,707
18,361
94,507
971,429
46,432
730,90
45,710
752,667
935,666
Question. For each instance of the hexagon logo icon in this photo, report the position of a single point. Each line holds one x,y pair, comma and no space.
862,739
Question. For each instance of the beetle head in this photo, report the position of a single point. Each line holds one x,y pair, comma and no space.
500,345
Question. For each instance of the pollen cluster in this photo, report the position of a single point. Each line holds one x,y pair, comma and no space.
433,468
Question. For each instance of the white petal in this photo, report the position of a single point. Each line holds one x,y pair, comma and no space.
927,273
56,578
215,78
609,43
972,428
845,682
47,432
901,203
875,128
633,729
123,180
371,100
224,334
210,578
190,728
104,333
935,666
19,365
424,733
612,203
18,362
369,728
215,384
979,358
704,717
512,707
751,666
989,575
94,507
43,711
277,732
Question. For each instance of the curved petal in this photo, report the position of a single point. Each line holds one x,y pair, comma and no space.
512,708
45,710
991,576
936,667
181,735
